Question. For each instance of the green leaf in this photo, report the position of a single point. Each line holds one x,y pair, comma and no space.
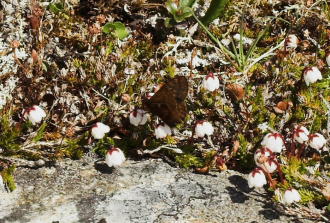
216,9
180,12
8,177
118,29
55,7
40,132
171,7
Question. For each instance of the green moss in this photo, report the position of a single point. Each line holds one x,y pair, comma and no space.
77,62
189,161
245,156
273,120
144,50
8,178
298,114
293,169
109,48
310,196
258,67
318,122
74,147
9,136
260,113
170,69
208,101
228,110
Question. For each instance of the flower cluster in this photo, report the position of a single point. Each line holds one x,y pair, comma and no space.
267,163
266,160
302,136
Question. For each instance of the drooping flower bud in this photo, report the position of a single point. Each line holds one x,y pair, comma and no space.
300,134
262,155
138,117
291,41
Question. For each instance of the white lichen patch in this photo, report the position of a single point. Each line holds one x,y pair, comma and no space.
6,90
14,24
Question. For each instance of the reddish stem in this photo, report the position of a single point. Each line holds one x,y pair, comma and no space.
291,151
280,173
271,181
301,150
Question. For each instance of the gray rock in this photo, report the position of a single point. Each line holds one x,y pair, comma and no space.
142,191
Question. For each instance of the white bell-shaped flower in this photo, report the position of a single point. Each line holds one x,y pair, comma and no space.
211,82
34,114
327,58
291,41
270,165
162,130
203,128
114,157
273,141
262,155
256,178
291,195
317,141
311,75
138,117
300,134
99,130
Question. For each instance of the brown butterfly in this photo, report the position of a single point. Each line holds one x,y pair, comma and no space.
168,102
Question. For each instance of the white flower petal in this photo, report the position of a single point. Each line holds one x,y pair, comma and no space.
211,82
34,114
203,128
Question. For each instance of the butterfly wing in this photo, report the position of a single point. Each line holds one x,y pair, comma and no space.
168,101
